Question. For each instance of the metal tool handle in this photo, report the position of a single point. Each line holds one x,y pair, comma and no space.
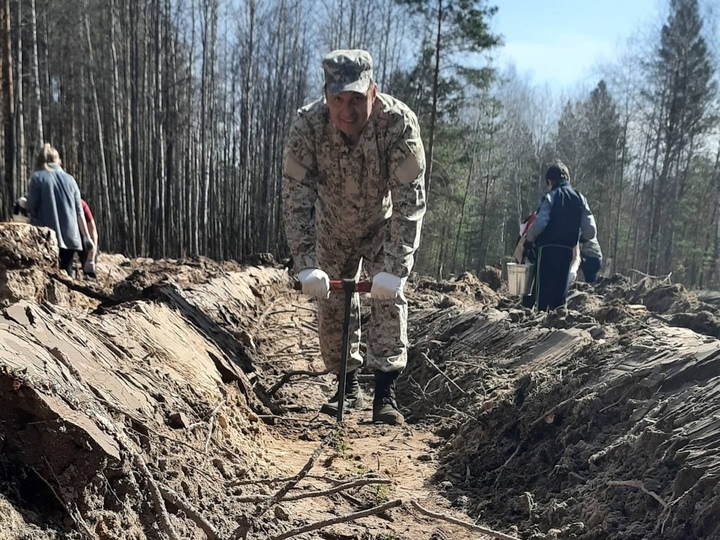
349,287
336,285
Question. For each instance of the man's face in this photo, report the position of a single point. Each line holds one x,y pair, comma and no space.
350,111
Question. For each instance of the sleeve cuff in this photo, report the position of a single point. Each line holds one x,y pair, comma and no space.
306,261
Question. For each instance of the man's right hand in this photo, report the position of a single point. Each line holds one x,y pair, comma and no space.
315,283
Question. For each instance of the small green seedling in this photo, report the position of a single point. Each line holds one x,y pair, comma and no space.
340,442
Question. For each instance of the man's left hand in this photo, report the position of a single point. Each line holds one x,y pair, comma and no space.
88,244
386,286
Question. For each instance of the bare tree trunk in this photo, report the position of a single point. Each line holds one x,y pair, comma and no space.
716,273
471,169
436,89
483,219
49,91
620,189
161,119
193,198
8,105
20,113
105,191
36,77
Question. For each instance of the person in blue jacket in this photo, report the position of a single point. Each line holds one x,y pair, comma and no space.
562,216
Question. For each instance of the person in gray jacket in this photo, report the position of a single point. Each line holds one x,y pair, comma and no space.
590,258
53,201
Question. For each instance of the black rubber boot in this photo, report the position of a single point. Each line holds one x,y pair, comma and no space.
353,396
385,409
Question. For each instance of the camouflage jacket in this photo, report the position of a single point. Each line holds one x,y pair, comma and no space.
345,195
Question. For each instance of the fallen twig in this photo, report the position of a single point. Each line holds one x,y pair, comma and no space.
264,314
351,499
433,364
299,476
210,432
556,408
175,499
321,493
467,525
309,327
246,523
248,482
90,292
77,519
334,521
140,422
156,496
645,325
639,485
290,374
504,465
212,424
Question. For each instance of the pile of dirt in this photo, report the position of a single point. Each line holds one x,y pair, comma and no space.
592,424
671,303
26,254
102,412
662,298
464,287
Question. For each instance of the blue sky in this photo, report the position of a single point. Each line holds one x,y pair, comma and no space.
559,41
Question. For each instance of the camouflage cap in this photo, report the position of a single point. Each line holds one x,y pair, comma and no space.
348,71
557,172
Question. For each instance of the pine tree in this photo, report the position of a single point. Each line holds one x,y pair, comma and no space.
684,88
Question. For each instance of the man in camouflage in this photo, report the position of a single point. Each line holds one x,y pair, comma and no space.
353,193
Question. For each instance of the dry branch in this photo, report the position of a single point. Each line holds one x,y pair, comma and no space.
175,499
77,519
299,476
156,496
334,521
83,289
556,408
335,481
246,523
210,432
467,525
335,489
433,364
504,465
290,374
213,413
639,485
264,314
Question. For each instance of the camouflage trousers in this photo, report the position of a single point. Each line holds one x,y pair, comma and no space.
387,329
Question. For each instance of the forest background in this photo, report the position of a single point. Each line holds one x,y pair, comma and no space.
173,114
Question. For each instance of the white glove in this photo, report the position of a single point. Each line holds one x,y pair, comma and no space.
315,282
386,286
89,267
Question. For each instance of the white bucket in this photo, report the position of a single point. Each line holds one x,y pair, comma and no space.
518,278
